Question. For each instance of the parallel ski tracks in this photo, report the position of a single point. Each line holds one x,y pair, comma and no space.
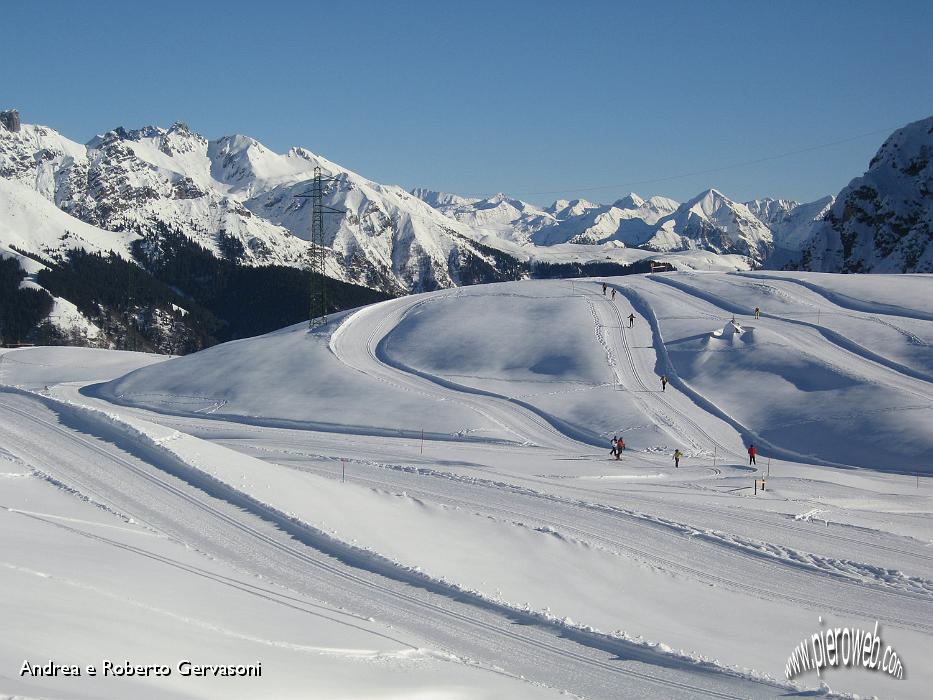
681,416
408,600
603,537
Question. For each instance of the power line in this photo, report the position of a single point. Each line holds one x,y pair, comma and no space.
633,183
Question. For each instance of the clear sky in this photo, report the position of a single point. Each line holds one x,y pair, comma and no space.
536,99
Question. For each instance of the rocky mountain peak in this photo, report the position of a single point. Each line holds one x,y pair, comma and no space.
9,120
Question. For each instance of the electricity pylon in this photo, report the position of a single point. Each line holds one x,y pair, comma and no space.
318,310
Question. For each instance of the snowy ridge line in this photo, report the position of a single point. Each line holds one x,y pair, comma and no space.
747,434
844,301
832,336
359,558
850,572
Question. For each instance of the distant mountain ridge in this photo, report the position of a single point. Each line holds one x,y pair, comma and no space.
145,194
235,194
711,221
881,222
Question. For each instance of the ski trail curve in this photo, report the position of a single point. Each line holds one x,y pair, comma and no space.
359,344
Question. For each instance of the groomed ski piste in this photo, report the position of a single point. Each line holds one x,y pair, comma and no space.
417,499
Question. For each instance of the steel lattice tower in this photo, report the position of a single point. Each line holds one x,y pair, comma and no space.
318,309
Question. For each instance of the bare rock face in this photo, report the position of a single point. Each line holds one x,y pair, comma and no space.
883,221
9,119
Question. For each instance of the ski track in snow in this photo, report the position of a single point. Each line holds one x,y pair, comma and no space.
315,540
165,488
853,571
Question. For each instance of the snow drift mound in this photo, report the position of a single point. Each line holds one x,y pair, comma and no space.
734,331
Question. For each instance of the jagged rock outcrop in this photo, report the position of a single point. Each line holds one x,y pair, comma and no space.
9,120
883,220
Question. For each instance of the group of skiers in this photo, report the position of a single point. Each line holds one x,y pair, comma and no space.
618,444
631,317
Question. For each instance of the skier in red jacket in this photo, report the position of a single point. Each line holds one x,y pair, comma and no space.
751,454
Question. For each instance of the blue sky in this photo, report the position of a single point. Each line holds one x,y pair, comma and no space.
537,99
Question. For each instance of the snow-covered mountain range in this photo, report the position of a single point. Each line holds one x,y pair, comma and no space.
239,201
881,222
234,195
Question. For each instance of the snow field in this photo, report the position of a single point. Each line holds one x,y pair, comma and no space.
508,538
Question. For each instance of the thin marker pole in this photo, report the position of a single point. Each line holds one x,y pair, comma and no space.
343,471
422,441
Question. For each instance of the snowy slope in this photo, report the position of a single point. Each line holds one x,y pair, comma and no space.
506,536
543,344
32,225
91,561
30,222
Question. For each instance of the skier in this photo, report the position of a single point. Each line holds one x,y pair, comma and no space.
663,382
613,293
620,445
757,312
615,447
751,455
631,320
677,455
604,289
